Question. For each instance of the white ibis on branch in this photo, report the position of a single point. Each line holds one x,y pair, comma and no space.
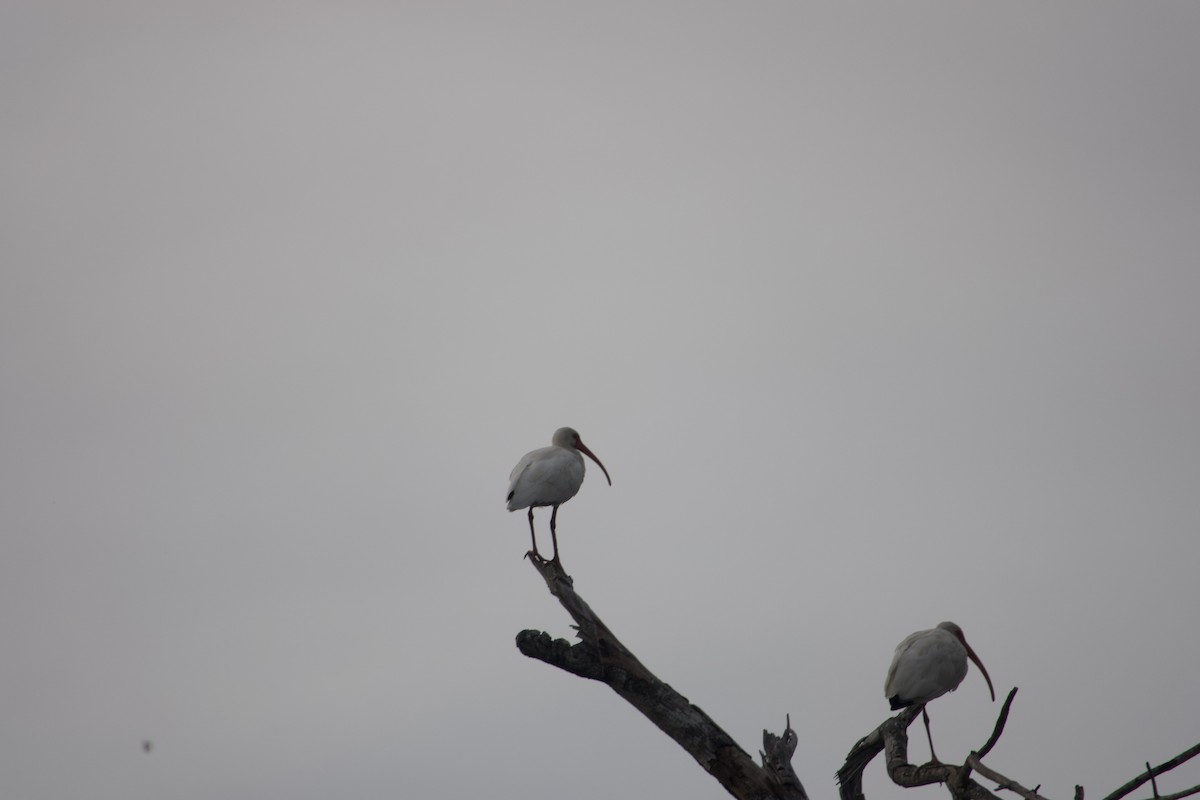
550,476
928,664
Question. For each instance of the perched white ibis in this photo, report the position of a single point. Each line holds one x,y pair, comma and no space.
549,476
928,664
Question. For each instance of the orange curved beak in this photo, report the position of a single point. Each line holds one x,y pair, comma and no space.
982,669
583,448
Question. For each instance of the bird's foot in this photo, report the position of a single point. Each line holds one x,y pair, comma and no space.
534,555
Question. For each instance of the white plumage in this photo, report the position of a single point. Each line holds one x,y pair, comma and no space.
550,476
927,665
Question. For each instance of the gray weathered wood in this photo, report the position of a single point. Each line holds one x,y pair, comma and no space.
1150,772
600,656
891,738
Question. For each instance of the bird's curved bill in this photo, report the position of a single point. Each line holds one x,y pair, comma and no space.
982,669
583,449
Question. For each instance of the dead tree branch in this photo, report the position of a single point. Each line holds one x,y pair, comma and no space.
1001,781
892,738
1152,772
600,656
776,758
849,777
999,729
1177,795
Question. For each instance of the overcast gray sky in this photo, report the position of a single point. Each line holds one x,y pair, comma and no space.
878,314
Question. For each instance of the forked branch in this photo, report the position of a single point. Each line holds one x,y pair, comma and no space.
892,737
1152,772
600,656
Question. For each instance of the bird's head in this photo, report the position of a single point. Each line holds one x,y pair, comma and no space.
952,628
569,438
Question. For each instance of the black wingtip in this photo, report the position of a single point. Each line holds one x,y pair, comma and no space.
897,703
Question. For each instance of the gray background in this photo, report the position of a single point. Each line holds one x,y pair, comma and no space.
879,314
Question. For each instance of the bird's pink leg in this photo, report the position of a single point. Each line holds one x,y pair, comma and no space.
932,755
533,537
553,533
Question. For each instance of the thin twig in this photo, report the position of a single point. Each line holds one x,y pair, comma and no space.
1001,781
1179,795
1153,781
999,729
1160,769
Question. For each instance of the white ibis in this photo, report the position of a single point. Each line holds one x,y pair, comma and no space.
549,476
928,664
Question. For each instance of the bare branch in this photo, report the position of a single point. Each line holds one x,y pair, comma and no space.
902,773
999,729
849,777
1166,766
1001,781
600,656
1179,795
892,737
776,757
